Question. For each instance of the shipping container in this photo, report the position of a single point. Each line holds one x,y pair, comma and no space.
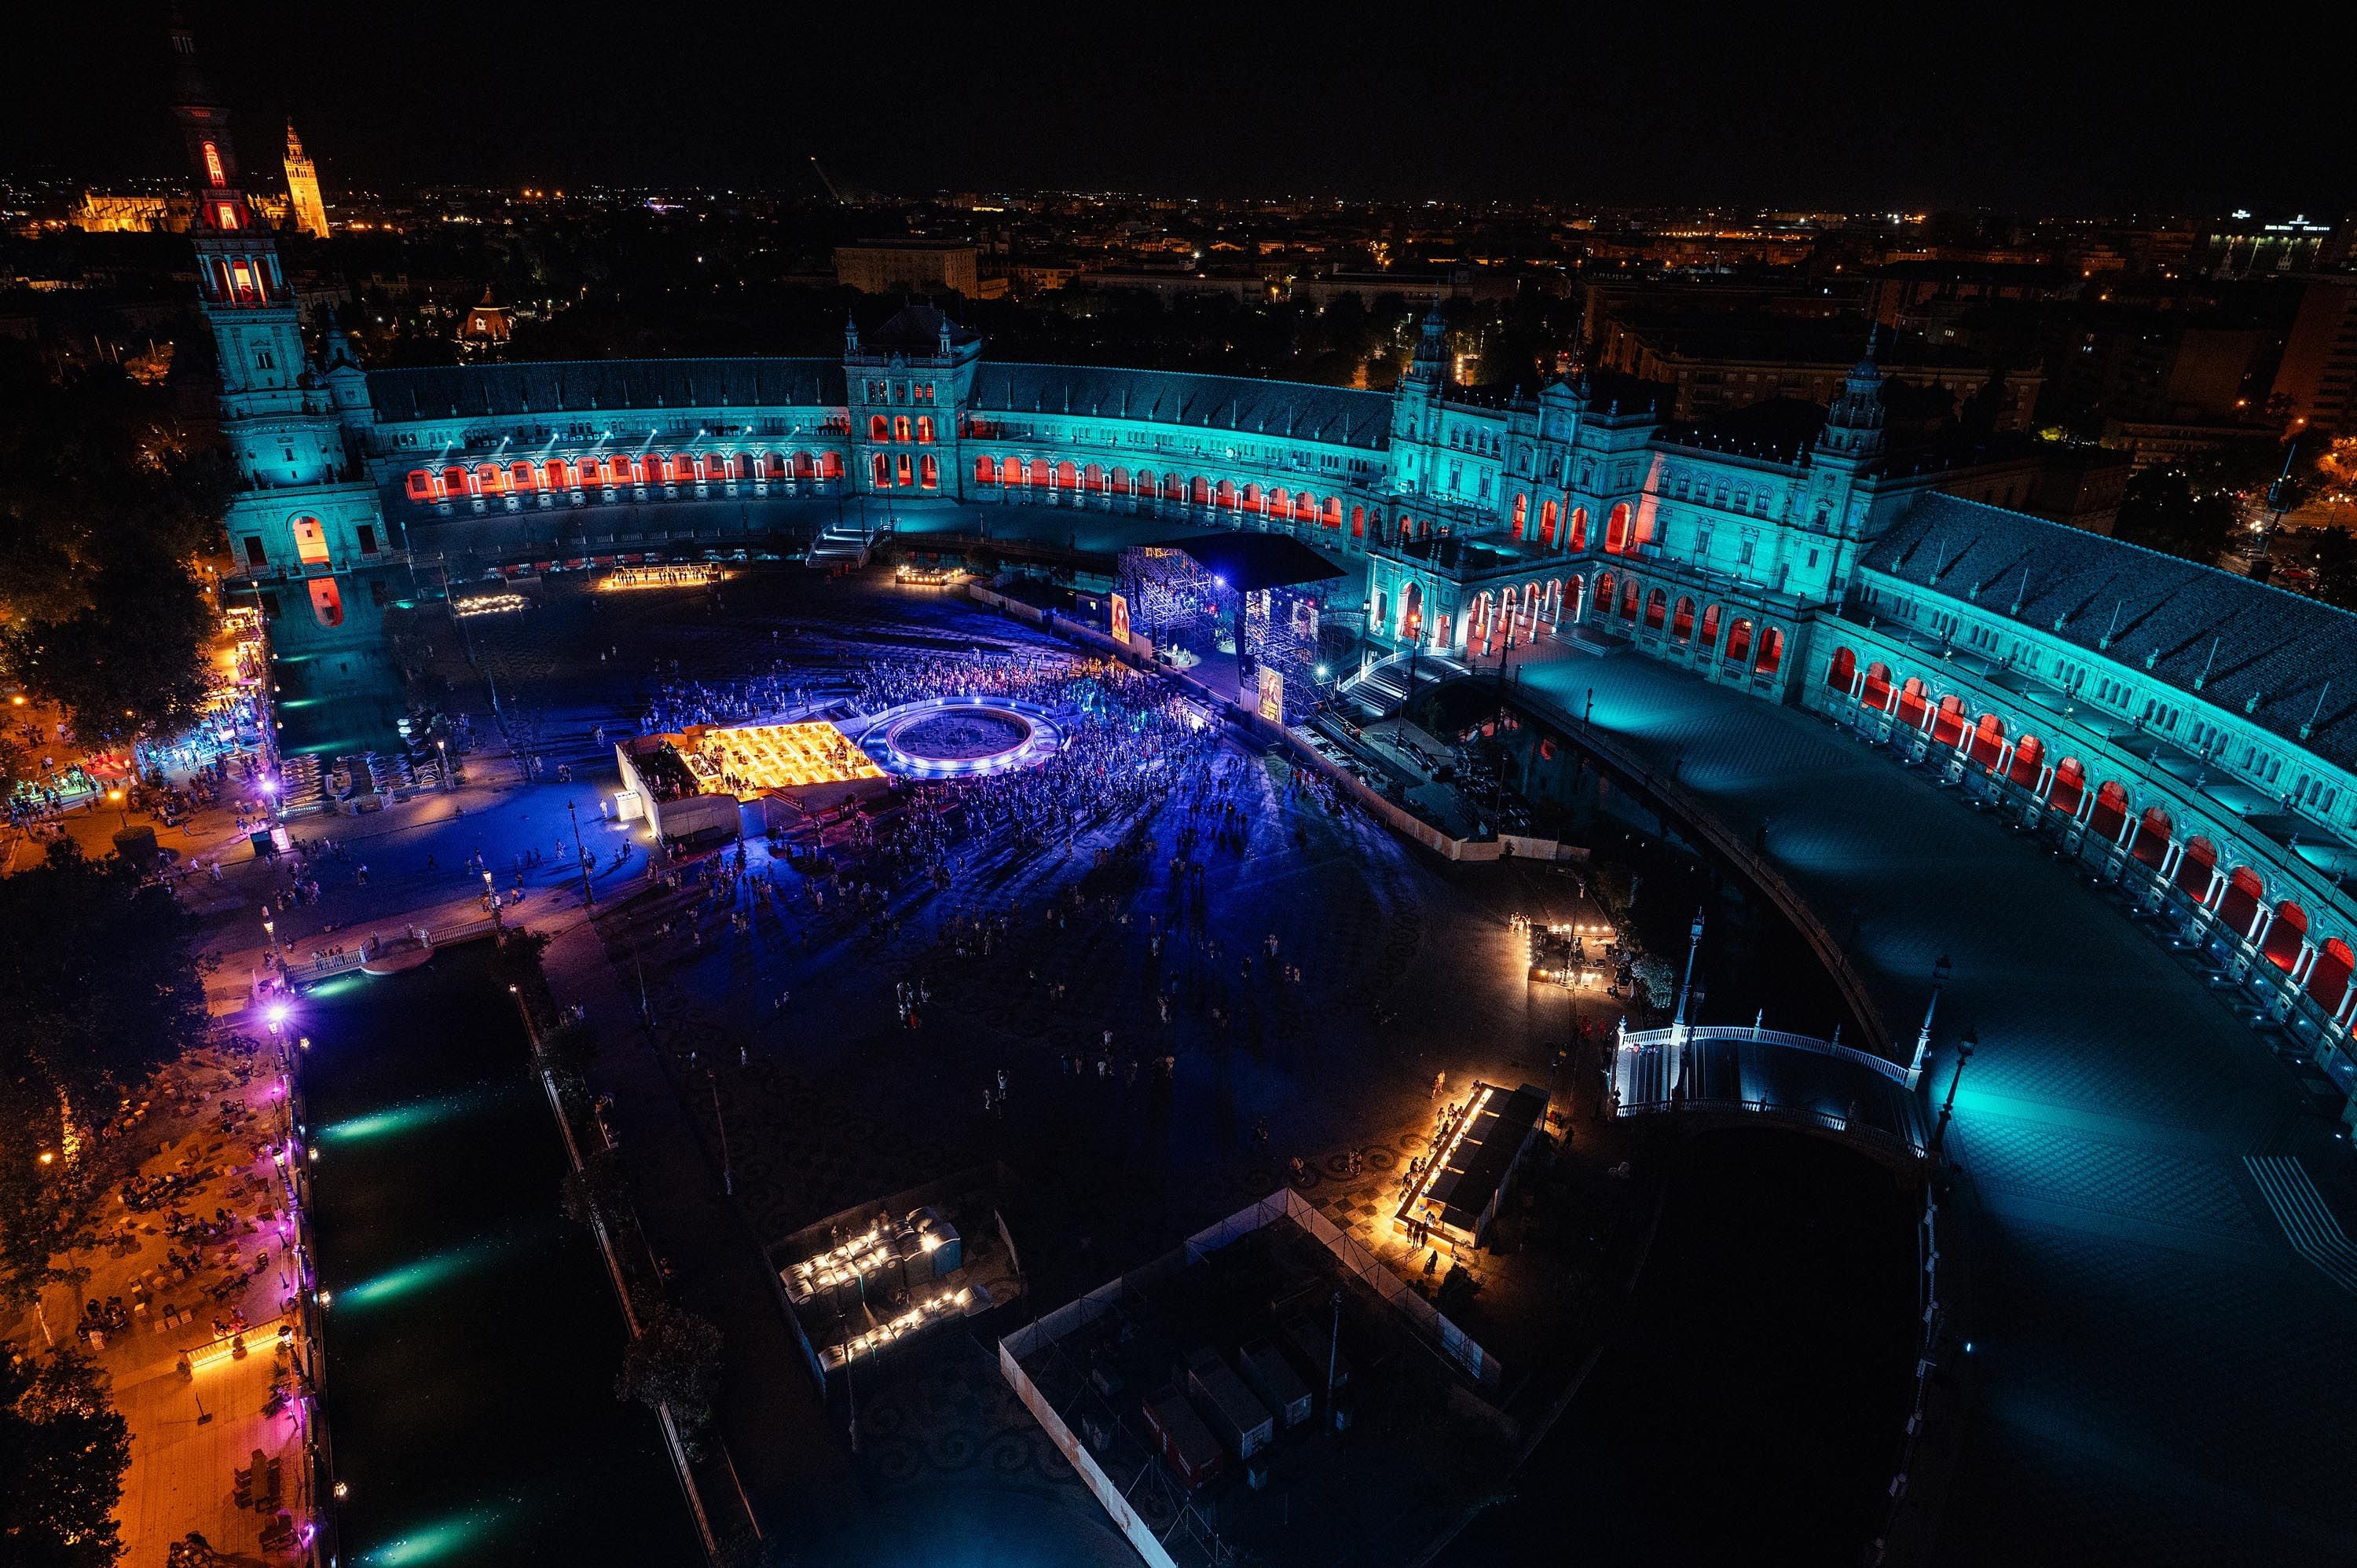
1243,1424
1270,1376
1186,1445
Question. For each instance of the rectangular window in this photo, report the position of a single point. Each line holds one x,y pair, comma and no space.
366,536
254,554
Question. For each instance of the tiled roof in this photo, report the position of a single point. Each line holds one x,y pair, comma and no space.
588,386
1336,414
2284,661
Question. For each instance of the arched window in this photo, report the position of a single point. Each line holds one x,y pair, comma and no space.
1305,508
1710,626
924,429
1629,591
2238,909
1738,642
1605,584
1682,628
2151,842
1094,477
1522,513
1358,522
421,485
1574,592
776,466
1948,724
2070,787
1988,739
1616,530
1770,655
986,472
900,428
2196,867
1201,491
1657,609
929,472
2285,936
1119,481
1254,500
1877,692
488,479
2111,810
1333,517
1580,528
830,466
1280,502
2029,761
883,470
1067,476
2328,977
311,548
1548,513
1842,673
1042,476
1412,613
1913,701
879,428
1228,494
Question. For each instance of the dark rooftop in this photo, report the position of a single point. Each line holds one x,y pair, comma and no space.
595,386
1295,409
1248,561
2287,662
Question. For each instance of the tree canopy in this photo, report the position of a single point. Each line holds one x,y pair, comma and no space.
99,985
109,501
63,1451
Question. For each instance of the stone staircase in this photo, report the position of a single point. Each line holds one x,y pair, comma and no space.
1379,691
840,544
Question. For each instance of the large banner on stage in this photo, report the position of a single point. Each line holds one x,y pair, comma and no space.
1121,620
1272,694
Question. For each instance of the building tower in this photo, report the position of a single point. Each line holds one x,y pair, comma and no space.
1416,410
305,210
303,504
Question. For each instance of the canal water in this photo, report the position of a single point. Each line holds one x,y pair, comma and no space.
339,693
472,1335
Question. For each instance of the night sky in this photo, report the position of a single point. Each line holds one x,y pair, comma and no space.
1798,107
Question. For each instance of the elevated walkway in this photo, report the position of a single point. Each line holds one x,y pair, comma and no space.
1768,1076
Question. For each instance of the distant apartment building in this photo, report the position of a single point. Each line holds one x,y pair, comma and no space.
1720,362
2316,387
2245,246
909,266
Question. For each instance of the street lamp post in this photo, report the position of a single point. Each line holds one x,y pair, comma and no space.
493,893
581,856
1923,1036
728,1170
1965,1048
442,756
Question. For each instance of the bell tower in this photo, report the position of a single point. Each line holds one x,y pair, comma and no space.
303,502
305,210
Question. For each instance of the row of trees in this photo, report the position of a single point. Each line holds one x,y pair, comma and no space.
99,985
111,500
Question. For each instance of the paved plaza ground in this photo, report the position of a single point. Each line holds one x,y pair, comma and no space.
2157,1378
198,1407
2154,1372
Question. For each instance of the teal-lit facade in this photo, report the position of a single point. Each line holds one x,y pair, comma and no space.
2210,761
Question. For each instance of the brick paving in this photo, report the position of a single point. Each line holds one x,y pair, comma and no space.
2156,1378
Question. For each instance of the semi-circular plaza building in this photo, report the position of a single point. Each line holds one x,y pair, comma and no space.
2145,910
2194,732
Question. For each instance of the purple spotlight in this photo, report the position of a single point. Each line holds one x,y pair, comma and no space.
269,785
276,1013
